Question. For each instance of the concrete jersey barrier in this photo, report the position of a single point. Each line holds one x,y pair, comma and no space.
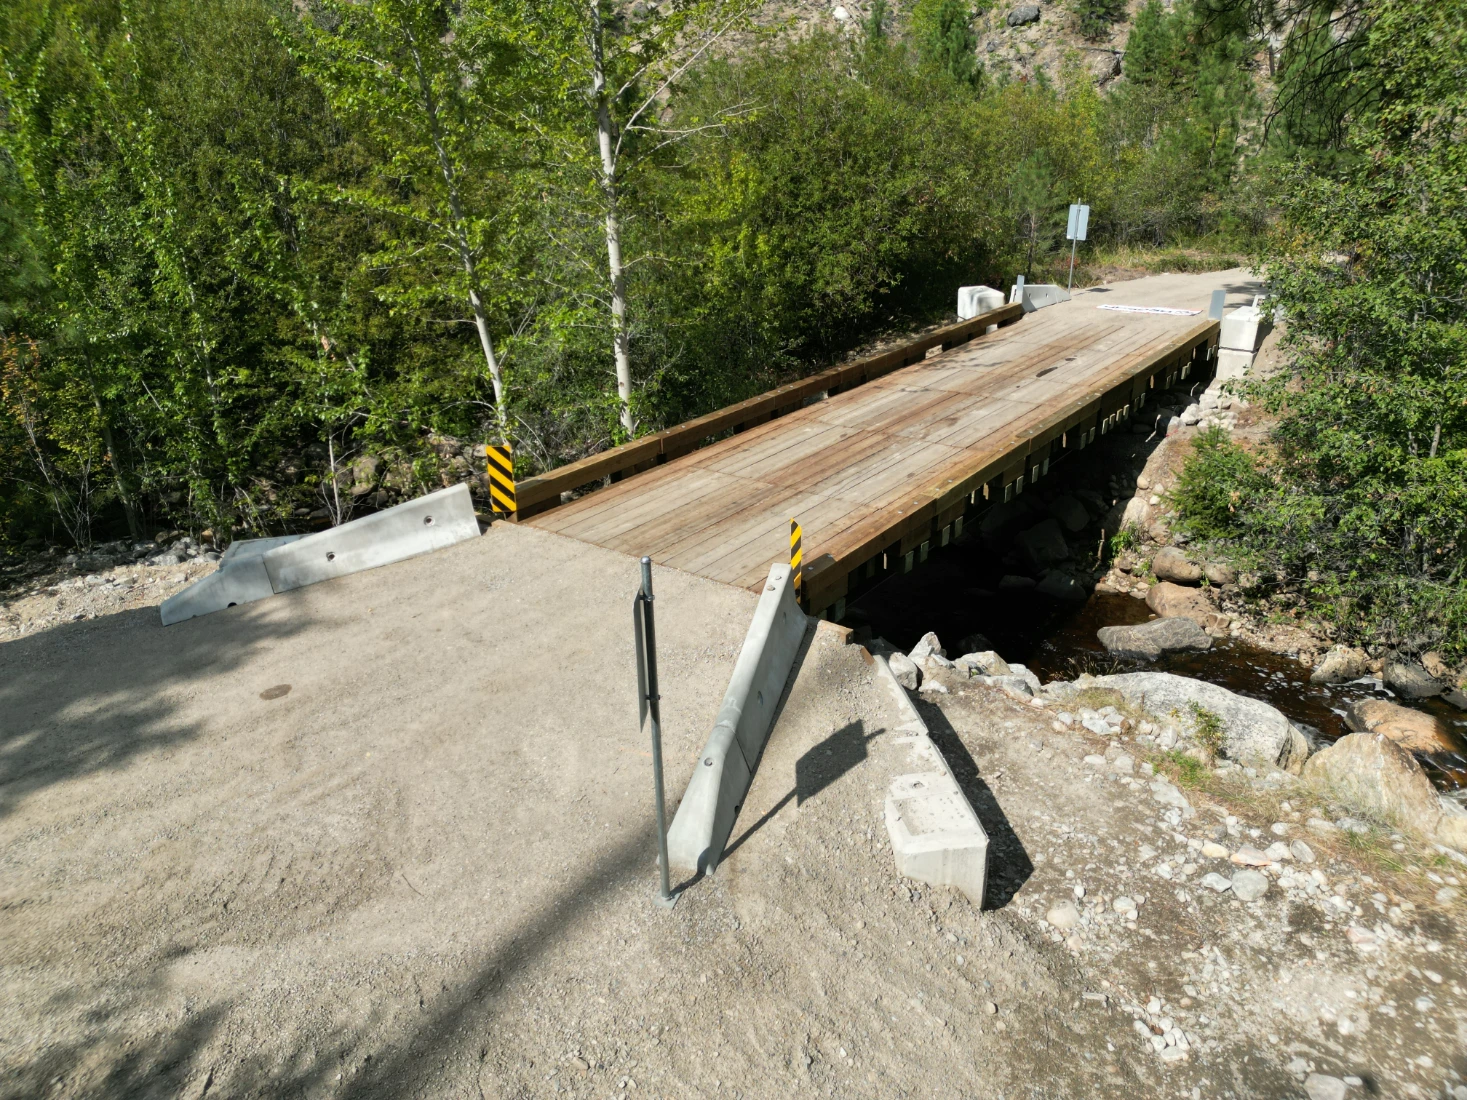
417,527
935,835
240,578
252,569
725,768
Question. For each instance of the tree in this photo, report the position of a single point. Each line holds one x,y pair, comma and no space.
1095,17
617,68
945,38
438,94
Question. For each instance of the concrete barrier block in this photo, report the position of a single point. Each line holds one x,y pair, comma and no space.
973,300
935,835
1038,295
417,527
240,578
1240,329
725,768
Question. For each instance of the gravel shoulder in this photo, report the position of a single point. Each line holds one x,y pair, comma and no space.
427,869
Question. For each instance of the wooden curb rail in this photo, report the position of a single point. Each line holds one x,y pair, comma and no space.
539,494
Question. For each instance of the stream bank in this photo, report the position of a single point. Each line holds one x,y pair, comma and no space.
990,582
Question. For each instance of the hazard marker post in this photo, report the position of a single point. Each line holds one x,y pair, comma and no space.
797,558
500,467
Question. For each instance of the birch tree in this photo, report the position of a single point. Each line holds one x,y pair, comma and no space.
618,65
439,104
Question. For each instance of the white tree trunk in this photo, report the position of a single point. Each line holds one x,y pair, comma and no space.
621,345
461,242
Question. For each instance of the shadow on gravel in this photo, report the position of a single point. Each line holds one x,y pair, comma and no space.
1009,865
821,766
90,696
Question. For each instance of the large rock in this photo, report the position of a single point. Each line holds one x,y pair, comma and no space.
1024,13
1252,731
905,670
1173,601
1410,679
1340,664
1043,545
1062,586
1373,775
1170,564
1219,574
927,646
983,663
1070,513
1413,730
1148,641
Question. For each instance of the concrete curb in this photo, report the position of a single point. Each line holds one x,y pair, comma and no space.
935,835
725,768
255,568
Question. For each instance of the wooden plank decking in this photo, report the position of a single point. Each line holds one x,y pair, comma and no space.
874,472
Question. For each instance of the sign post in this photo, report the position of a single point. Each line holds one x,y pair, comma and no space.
648,706
1079,225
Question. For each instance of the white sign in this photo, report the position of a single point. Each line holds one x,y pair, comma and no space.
1079,222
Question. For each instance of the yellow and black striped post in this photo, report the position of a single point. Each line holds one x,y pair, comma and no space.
797,558
501,478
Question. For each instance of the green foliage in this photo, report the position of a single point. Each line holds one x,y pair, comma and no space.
243,243
1216,481
1186,770
1361,508
945,39
1096,17
1207,727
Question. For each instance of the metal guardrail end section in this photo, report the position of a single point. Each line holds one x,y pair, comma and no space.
240,578
416,527
936,837
725,768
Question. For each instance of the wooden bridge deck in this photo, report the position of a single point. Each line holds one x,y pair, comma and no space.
874,472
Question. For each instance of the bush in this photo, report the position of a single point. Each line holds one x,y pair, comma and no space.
1096,16
1216,479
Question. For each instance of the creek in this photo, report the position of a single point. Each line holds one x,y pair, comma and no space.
960,591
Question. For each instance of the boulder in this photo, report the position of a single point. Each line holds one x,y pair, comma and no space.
1410,679
905,670
1435,666
1062,586
927,646
1372,774
1043,545
1069,512
1451,828
1174,601
1253,731
1148,641
1024,13
983,663
1012,582
1340,664
1170,564
1137,513
1413,730
1219,574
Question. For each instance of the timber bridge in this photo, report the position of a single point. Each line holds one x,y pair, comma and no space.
880,458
